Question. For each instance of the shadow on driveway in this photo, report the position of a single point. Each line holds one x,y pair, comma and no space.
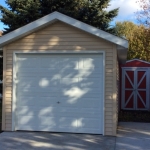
54,141
133,136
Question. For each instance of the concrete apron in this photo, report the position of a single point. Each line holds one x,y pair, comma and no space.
54,141
133,136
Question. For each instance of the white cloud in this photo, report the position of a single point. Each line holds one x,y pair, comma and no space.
127,9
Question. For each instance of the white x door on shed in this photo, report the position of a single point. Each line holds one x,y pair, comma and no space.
59,92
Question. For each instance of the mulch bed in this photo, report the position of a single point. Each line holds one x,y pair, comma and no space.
134,116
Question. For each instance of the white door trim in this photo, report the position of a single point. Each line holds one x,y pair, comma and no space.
54,52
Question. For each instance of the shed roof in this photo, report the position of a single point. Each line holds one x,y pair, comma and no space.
136,63
55,16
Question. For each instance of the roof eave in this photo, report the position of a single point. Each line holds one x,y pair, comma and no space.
23,31
44,21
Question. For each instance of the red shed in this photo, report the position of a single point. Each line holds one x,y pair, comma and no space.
135,85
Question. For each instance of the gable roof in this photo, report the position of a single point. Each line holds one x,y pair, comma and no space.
136,63
140,60
55,16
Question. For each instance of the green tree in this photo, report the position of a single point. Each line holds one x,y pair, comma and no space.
138,37
92,12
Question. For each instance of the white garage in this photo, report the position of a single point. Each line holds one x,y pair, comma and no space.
59,92
61,75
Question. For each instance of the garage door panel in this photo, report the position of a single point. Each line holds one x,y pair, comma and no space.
89,114
88,74
68,63
37,101
47,101
69,114
88,123
93,110
68,73
49,62
27,83
80,103
78,90
35,120
91,62
90,82
60,93
25,101
26,71
91,94
45,72
43,89
70,103
68,81
77,112
31,93
84,73
27,62
90,104
73,94
37,111
67,122
26,74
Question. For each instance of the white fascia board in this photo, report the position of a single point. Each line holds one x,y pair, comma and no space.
44,21
25,30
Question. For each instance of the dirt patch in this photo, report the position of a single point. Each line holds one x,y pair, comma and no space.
134,116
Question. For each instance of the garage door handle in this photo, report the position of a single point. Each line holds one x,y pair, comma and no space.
58,102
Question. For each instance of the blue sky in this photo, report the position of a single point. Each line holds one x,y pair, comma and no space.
127,8
2,2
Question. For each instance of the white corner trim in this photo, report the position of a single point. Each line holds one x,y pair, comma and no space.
14,125
104,92
35,25
14,94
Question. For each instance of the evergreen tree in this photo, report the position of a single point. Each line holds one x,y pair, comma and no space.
92,12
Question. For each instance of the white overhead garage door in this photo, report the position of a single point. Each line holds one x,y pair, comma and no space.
59,92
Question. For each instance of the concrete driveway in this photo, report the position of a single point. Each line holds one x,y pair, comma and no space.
131,136
54,141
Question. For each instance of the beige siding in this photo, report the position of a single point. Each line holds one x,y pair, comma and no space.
60,36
